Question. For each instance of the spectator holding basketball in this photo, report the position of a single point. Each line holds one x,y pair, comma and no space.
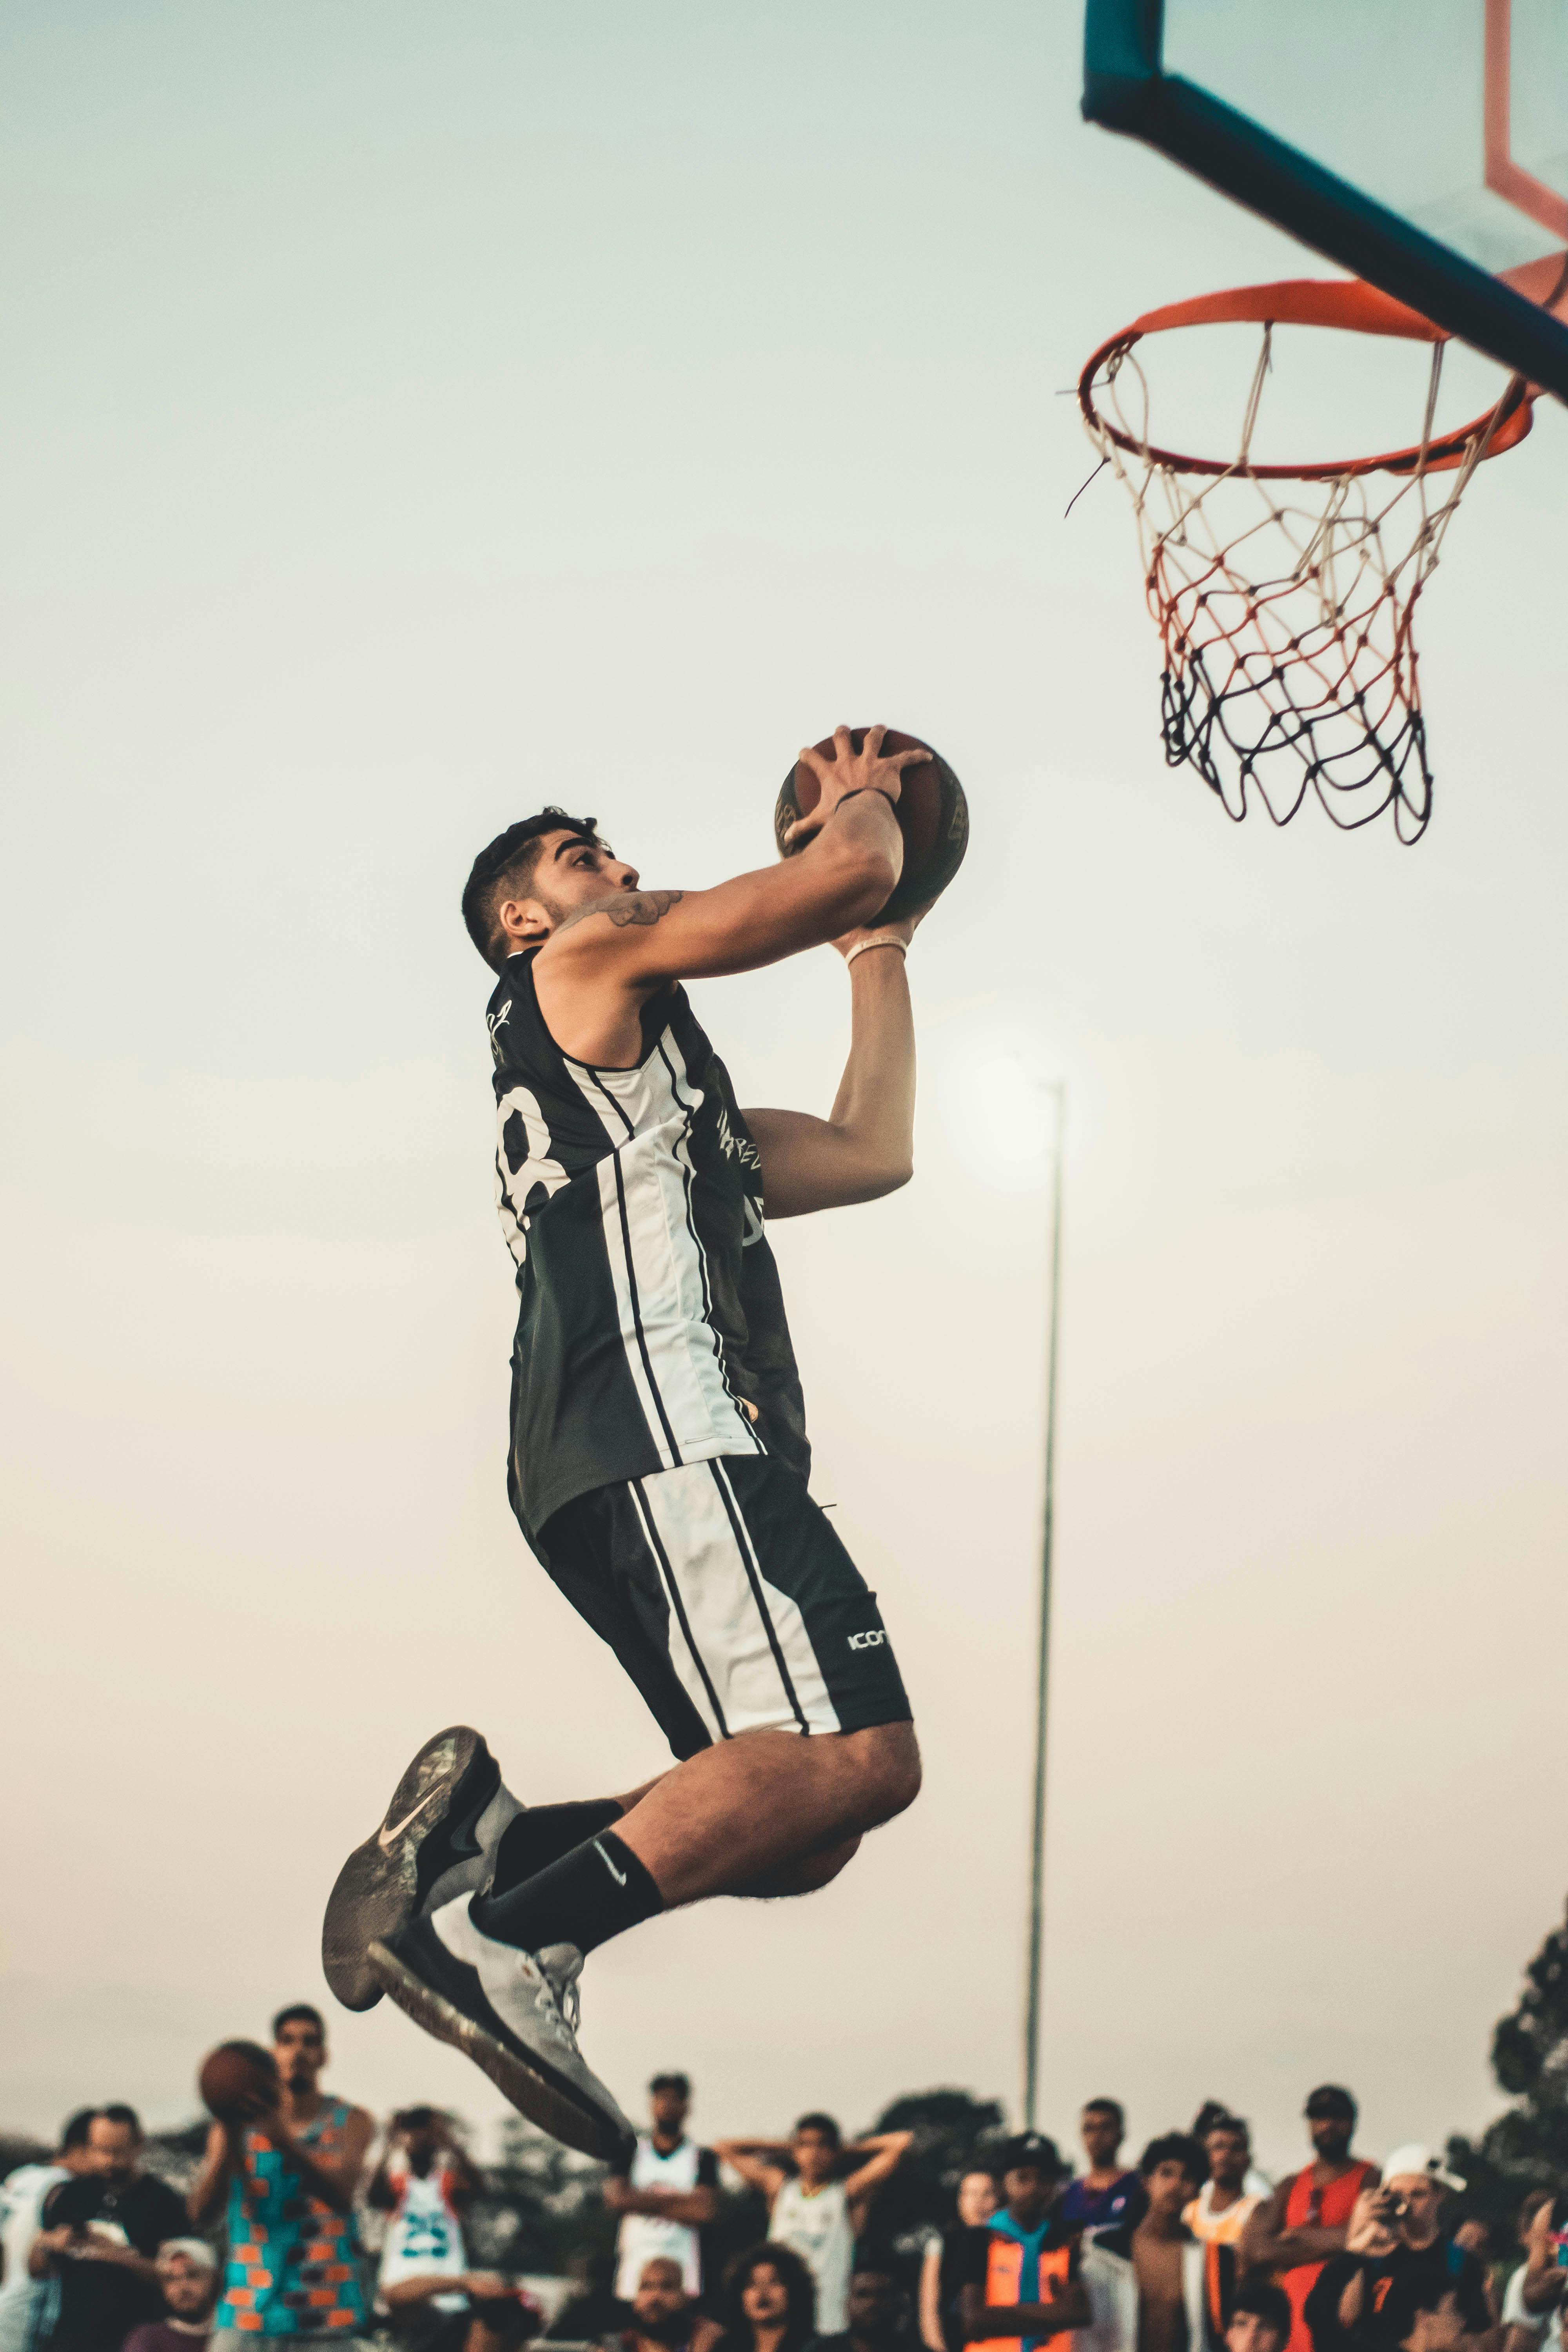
665,2193
187,2273
285,2161
820,2206
767,2302
99,2237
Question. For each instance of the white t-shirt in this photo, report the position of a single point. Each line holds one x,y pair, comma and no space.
22,2195
821,2233
1548,2325
425,2233
648,2237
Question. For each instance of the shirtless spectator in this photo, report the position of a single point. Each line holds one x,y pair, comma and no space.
664,2316
1297,2230
1110,2193
819,2207
1223,2206
1152,2286
666,2192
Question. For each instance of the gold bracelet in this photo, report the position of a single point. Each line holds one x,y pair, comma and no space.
885,942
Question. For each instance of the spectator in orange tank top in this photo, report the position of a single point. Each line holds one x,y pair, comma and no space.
1298,2228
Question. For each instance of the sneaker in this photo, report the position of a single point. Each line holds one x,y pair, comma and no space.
513,2014
440,1832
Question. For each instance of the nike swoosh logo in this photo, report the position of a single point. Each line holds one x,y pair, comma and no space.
386,1838
618,1875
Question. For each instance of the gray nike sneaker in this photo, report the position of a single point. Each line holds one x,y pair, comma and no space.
437,1840
513,2014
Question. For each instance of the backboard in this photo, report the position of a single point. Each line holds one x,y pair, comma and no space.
1422,144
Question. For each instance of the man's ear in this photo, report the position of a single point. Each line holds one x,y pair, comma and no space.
524,922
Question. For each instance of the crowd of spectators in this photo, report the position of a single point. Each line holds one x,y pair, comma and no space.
1190,2250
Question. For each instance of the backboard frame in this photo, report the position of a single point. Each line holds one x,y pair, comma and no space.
1127,89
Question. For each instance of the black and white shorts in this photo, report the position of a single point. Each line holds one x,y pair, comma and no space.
726,1595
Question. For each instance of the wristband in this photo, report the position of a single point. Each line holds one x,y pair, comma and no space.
854,795
865,944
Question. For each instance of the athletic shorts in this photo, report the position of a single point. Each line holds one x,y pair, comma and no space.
726,1595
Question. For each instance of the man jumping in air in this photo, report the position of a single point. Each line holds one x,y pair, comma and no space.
658,1456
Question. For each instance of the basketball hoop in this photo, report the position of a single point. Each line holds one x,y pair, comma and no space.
1286,621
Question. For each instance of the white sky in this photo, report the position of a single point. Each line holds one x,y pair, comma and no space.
411,414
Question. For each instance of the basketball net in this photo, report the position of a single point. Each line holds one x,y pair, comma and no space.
1285,596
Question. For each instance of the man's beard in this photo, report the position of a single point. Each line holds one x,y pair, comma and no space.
672,2328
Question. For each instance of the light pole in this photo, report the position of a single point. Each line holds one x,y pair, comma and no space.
1035,1938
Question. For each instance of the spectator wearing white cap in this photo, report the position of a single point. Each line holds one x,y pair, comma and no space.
187,2273
1400,2282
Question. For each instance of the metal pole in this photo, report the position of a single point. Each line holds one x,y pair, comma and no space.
1033,1966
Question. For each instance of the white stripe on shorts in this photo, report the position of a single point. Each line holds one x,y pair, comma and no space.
737,1644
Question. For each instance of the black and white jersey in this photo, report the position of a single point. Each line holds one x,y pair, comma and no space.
651,1328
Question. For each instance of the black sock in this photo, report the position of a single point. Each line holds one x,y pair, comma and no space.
541,1834
598,1890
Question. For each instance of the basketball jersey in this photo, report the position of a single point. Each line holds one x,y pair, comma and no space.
425,2231
648,2237
821,2233
651,1328
1024,2267
1306,2207
1221,2229
293,2264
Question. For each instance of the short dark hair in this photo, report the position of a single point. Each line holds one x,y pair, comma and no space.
118,2113
1176,2147
504,867
679,2084
1271,2305
1330,2099
296,2011
414,2119
799,2286
816,2122
77,2127
1226,2123
1105,2107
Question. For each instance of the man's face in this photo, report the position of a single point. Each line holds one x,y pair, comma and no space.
669,2108
1230,2156
976,2199
1423,2198
1170,2186
1330,2137
762,2298
189,2288
1101,2136
112,2149
301,2053
568,874
421,2141
814,2154
1248,2333
661,2293
874,2303
1028,2189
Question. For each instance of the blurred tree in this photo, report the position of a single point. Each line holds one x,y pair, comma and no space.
1526,2147
947,2125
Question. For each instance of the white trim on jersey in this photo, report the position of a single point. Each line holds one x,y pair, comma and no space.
513,1191
737,1644
663,1300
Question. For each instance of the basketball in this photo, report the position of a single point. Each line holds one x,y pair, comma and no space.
933,813
235,2075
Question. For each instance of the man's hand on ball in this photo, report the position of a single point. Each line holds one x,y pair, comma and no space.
848,771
